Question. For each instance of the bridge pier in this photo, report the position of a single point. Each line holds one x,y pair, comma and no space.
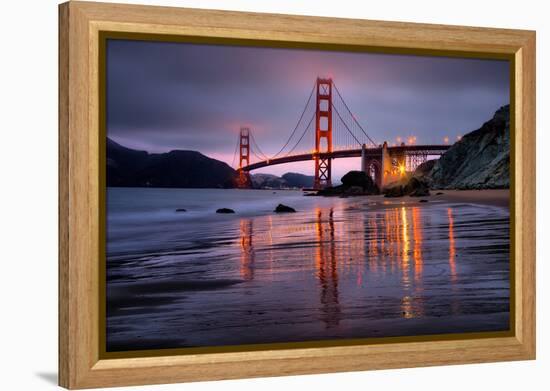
386,166
243,180
372,165
394,164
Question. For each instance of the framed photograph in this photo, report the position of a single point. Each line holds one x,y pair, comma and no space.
247,195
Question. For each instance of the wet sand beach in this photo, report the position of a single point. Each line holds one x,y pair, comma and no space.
492,197
357,267
497,197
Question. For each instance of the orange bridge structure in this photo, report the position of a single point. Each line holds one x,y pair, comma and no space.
336,133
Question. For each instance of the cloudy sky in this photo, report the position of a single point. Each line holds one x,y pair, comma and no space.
164,96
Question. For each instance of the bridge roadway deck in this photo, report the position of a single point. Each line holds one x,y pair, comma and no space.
370,153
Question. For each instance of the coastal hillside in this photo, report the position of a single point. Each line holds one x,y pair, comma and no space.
480,160
298,180
179,169
262,181
288,180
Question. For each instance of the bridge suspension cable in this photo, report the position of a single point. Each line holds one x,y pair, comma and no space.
260,158
345,139
352,116
302,136
297,125
255,145
345,125
235,153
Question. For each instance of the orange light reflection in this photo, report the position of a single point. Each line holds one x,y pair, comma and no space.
417,250
247,250
452,249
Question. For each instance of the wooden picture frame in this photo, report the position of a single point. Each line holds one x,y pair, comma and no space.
81,364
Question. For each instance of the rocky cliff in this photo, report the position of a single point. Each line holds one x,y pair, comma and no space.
480,160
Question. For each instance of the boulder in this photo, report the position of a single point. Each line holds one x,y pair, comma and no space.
414,187
423,192
361,180
332,191
354,190
354,183
284,209
425,168
394,191
225,210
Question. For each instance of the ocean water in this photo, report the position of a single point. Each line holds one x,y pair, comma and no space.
338,268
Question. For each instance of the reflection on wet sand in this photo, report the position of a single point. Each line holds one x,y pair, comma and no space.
326,267
453,276
389,241
247,250
339,269
452,251
417,250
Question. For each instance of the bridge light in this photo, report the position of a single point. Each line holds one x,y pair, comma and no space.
446,140
398,139
402,169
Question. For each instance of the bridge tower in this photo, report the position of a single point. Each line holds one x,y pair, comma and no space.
244,147
243,180
323,133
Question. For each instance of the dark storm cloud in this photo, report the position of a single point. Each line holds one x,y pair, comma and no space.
163,96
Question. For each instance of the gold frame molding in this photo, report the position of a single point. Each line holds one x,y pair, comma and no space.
83,28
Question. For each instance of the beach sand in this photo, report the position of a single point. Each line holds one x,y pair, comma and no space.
338,268
493,197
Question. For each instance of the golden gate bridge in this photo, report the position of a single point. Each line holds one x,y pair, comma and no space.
336,132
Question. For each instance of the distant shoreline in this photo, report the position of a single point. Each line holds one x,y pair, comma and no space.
492,197
198,188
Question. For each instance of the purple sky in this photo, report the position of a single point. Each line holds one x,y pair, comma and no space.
165,96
